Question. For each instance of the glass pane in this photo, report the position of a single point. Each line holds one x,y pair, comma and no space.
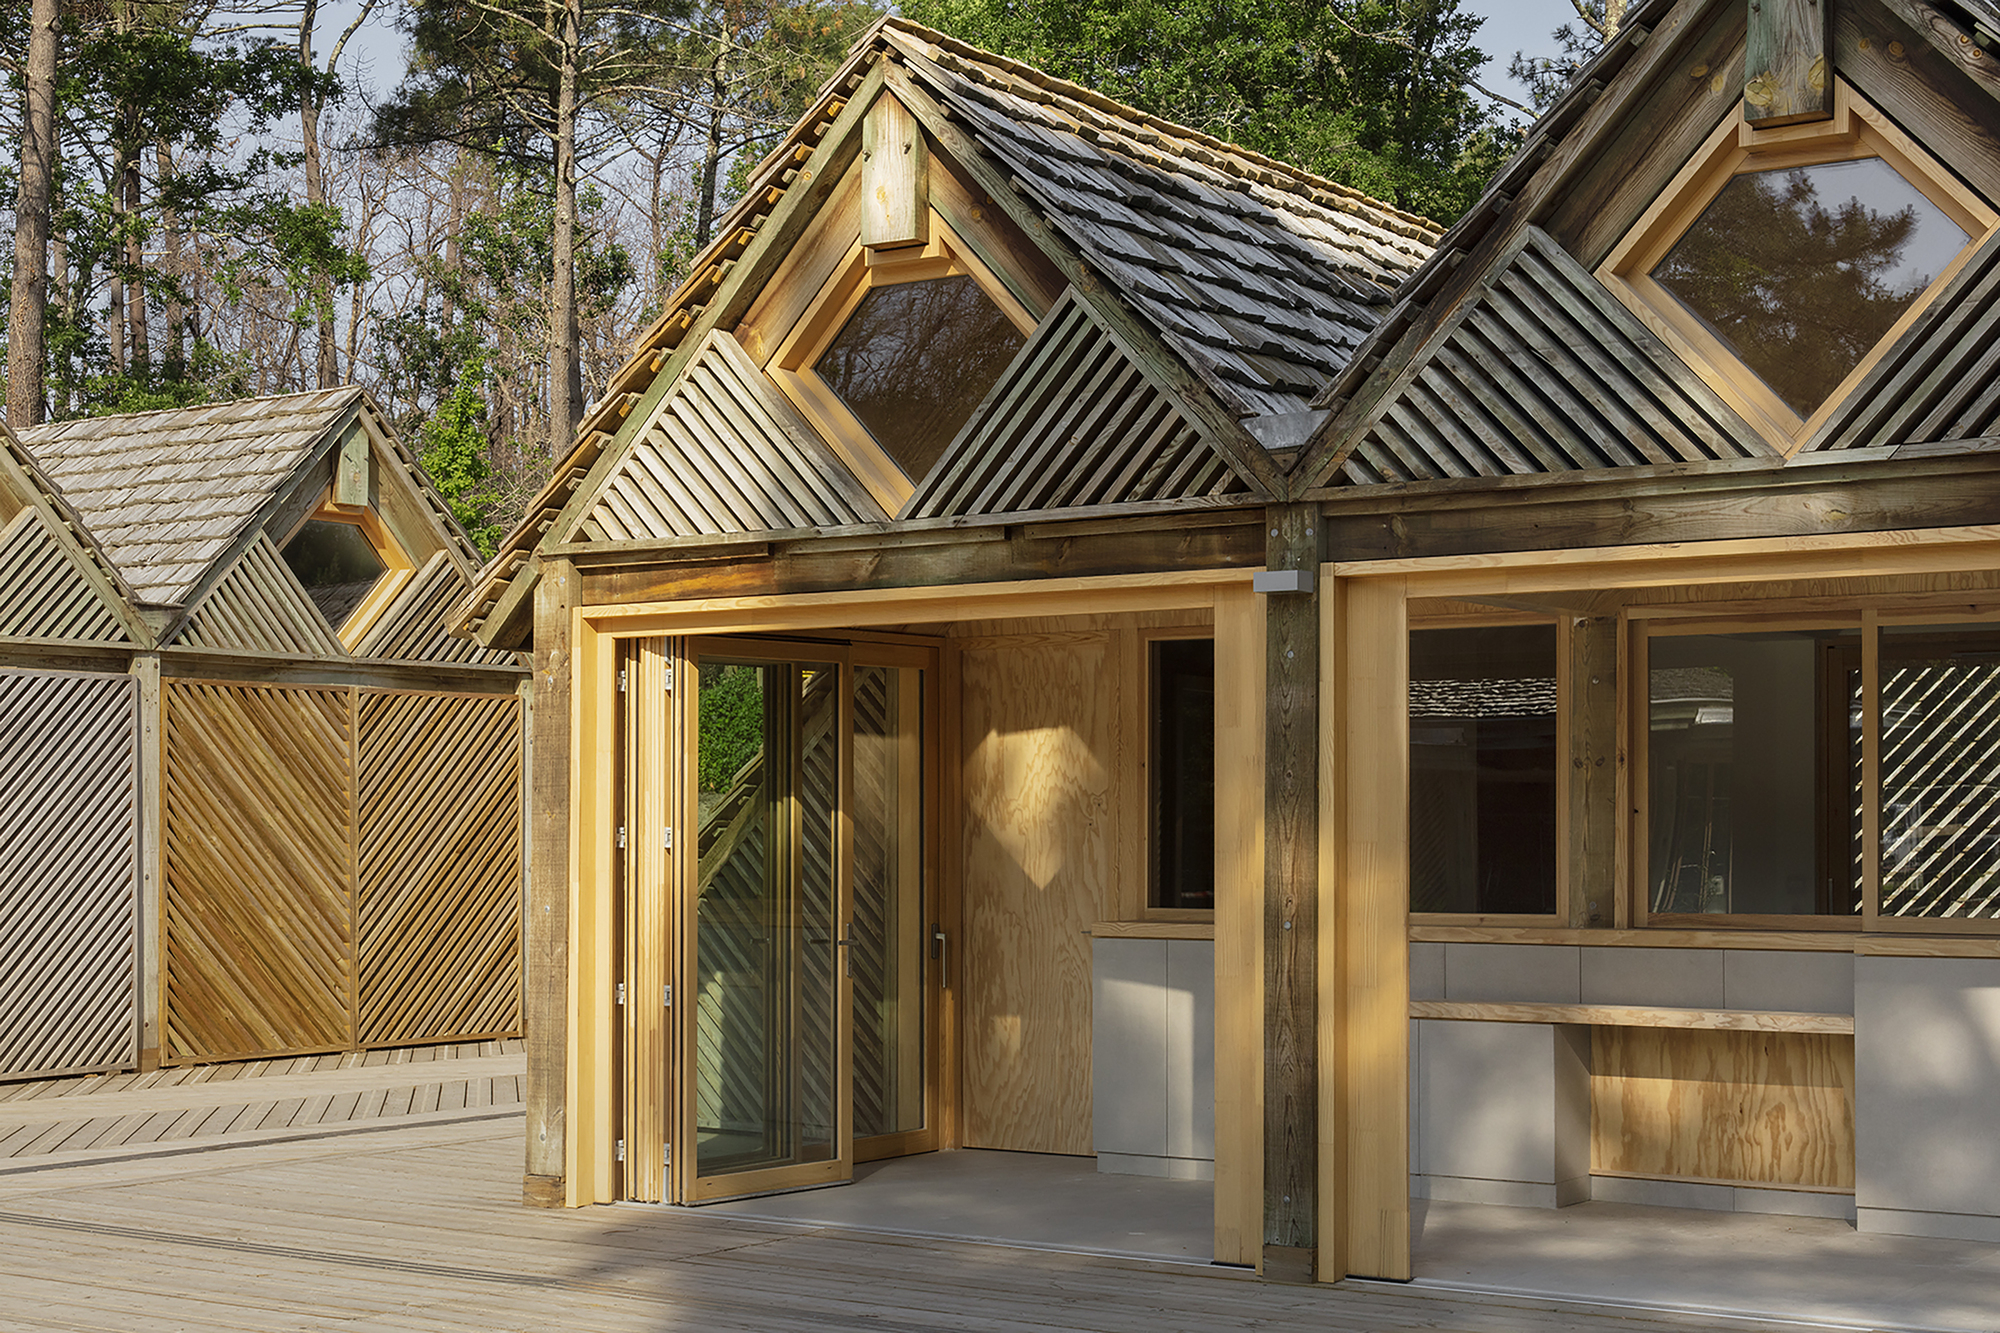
1801,271
888,930
766,993
1183,772
1754,741
914,360
1483,769
1941,773
337,564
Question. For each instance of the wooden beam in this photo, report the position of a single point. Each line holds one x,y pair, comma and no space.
1594,760
353,470
1291,903
1785,75
545,941
1239,926
895,174
1368,996
1633,1016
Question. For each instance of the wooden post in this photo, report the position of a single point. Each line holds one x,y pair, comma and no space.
1367,999
1239,926
152,777
895,177
545,945
1291,892
351,471
1594,761
1786,75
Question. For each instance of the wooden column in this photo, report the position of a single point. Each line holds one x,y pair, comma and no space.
1367,999
1239,926
1594,758
1787,77
152,774
1291,892
545,943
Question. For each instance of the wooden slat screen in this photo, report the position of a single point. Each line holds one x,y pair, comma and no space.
343,868
412,629
259,606
257,815
1942,379
1072,422
42,594
69,872
1545,371
439,926
726,452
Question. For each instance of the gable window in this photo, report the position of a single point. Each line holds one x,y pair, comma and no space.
915,359
349,565
1781,262
895,354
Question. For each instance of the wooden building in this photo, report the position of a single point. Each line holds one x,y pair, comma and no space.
253,799
1070,636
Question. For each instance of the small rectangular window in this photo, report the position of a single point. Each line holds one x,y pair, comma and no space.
1182,768
1483,770
1753,769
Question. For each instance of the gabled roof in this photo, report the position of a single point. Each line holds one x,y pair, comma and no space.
60,582
1505,353
169,493
1244,284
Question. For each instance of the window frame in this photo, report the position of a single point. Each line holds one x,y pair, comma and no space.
859,272
1146,689
398,569
1856,131
1567,700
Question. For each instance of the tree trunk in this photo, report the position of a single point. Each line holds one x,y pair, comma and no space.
565,370
711,157
28,309
174,360
309,113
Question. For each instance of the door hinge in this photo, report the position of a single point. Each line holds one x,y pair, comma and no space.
667,994
667,675
621,680
667,837
667,1154
621,1150
621,992
621,835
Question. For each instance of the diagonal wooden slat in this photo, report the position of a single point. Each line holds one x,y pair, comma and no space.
258,605
438,935
43,595
69,872
257,817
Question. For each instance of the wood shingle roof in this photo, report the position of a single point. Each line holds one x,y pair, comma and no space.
167,493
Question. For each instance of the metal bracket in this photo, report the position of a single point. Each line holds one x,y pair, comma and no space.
621,992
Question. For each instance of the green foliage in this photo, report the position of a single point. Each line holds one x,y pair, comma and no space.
1367,92
732,723
1547,77
451,446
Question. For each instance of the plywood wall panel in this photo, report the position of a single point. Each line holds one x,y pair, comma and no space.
1040,780
1760,1107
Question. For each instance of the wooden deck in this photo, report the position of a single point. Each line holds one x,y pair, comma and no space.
255,1099
415,1223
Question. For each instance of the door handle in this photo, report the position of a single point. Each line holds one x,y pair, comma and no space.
847,956
937,951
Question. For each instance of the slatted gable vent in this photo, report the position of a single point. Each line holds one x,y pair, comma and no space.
1073,422
42,593
412,629
1941,382
1545,371
260,607
69,872
725,452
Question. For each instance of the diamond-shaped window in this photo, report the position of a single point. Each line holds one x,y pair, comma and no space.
337,564
915,359
1782,262
1801,271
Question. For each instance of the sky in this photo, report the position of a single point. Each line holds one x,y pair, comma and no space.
1511,25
